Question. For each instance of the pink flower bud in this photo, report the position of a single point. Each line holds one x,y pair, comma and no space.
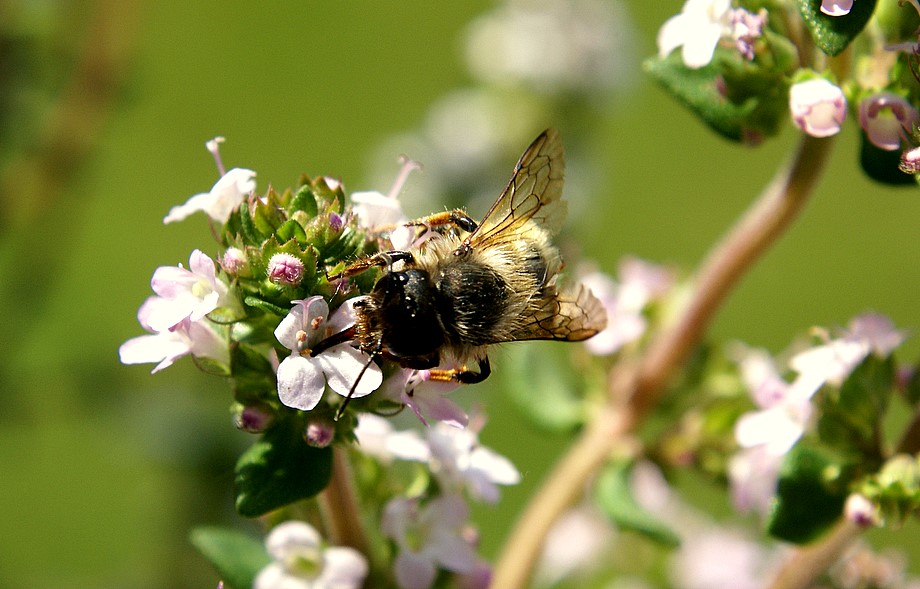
817,107
284,268
862,512
319,433
254,419
910,161
233,260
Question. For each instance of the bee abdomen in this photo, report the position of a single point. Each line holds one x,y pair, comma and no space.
472,301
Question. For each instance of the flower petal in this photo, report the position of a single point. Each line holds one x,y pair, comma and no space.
300,382
342,366
413,570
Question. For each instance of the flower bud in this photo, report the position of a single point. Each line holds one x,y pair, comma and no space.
860,511
233,261
887,119
254,419
817,107
910,161
319,432
283,268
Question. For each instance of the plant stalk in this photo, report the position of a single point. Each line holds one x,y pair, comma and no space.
760,227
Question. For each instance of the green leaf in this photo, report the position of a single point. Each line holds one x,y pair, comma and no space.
832,34
280,469
237,557
291,229
615,498
264,305
812,488
304,201
882,165
738,101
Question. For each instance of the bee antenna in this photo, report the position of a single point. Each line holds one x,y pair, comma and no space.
351,391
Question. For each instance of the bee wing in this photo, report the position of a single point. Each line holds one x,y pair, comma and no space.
568,316
533,192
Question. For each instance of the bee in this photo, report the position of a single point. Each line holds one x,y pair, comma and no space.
473,285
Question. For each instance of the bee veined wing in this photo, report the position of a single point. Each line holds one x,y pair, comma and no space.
533,192
569,316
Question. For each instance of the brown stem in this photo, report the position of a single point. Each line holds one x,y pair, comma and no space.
339,505
804,566
762,225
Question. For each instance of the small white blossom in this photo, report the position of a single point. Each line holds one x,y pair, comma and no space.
576,543
698,29
302,378
429,537
187,294
227,194
459,461
377,437
164,347
301,561
818,107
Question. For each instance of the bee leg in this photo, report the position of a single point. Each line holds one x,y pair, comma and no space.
463,375
456,217
378,259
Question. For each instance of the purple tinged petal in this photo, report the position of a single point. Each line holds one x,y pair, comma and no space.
300,382
836,7
413,571
163,348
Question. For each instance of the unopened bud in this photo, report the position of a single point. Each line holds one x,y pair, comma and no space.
862,512
284,268
319,433
254,419
233,261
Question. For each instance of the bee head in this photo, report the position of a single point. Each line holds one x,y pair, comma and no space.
407,317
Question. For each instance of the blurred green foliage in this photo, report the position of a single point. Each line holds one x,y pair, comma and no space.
106,468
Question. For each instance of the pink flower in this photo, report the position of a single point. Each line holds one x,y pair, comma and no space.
817,107
887,119
460,462
187,294
302,378
427,398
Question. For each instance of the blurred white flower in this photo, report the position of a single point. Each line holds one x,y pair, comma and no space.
377,437
575,544
429,537
301,561
427,398
717,558
697,30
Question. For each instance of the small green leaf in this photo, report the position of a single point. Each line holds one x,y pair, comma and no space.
279,469
615,498
291,229
265,306
304,201
237,557
832,34
812,487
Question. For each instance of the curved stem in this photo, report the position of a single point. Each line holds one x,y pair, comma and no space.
804,566
641,389
339,505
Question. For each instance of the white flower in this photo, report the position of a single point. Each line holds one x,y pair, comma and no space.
302,378
817,107
718,558
376,211
187,294
301,562
429,537
458,461
219,202
164,347
697,30
576,543
377,437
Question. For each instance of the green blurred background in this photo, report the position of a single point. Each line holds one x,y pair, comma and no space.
104,468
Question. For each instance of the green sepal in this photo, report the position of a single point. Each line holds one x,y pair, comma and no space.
750,105
615,498
810,493
251,233
304,202
264,305
236,556
280,469
882,165
832,34
290,230
253,377
543,387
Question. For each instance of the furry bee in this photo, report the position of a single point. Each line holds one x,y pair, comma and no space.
473,285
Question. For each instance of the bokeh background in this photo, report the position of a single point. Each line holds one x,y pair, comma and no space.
104,111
